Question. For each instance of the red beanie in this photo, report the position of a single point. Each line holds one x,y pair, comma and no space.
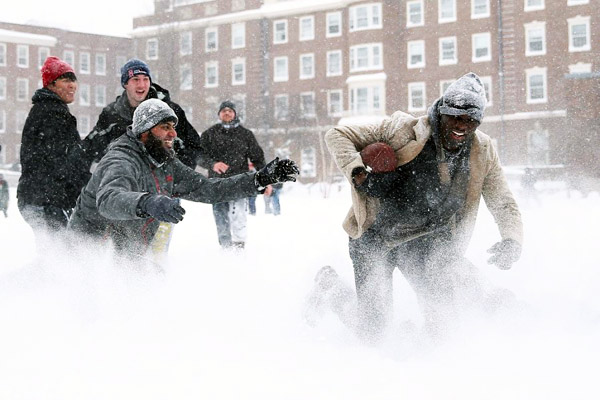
53,68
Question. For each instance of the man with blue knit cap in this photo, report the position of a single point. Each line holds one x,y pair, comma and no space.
136,79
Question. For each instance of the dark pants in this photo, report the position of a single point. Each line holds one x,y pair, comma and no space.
44,220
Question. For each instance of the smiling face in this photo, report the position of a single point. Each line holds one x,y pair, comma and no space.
137,88
456,130
65,88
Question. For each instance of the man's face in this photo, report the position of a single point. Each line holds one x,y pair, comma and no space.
137,88
456,130
65,88
226,115
165,132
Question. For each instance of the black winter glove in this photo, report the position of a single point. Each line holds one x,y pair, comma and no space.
161,207
505,253
373,184
276,171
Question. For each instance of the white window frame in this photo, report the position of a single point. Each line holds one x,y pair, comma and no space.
579,20
328,24
3,55
488,38
240,105
283,38
485,14
238,35
415,47
528,6
100,95
84,90
309,33
83,125
85,61
100,64
208,66
537,71
421,22
281,77
119,62
411,87
580,68
441,18
69,57
577,2
372,89
22,56
186,77
533,136
308,58
238,61
529,28
43,54
454,60
185,43
373,15
209,42
2,88
3,122
276,108
22,89
339,113
374,57
302,110
444,85
308,162
340,70
152,49
487,84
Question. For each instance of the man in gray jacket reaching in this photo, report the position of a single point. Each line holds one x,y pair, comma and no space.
138,183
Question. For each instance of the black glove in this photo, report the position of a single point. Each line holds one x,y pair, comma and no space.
161,207
276,171
505,253
373,184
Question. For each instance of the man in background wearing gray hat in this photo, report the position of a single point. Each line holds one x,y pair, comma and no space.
139,182
419,218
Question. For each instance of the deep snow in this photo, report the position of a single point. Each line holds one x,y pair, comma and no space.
229,326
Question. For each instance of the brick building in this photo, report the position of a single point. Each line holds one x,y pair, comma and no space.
96,60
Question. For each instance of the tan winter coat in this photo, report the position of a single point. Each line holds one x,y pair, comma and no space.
407,135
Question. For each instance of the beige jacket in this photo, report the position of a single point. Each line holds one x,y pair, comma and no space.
407,135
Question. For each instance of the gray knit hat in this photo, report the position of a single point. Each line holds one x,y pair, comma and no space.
465,96
149,114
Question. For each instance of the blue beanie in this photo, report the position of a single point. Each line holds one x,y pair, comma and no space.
132,68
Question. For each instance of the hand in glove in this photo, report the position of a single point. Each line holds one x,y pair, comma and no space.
505,253
276,171
161,207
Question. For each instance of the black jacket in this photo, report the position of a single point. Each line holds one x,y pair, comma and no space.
118,115
233,146
53,166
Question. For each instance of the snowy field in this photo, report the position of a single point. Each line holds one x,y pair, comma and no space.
229,326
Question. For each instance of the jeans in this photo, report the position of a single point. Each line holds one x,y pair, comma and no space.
230,218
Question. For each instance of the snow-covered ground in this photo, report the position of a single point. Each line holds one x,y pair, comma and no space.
230,326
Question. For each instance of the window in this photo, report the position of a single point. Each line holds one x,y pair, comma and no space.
448,53
210,110
335,105
240,106
444,85
100,95
237,5
580,68
280,34
414,13
84,63
334,24
532,5
307,66
282,107
366,98
23,56
280,69
446,11
211,37
2,88
416,54
308,163
579,34
22,89
69,57
307,104
538,146
3,54
480,9
100,64
185,77
84,94
43,53
334,63
119,62
482,50
21,118
238,71
536,85
365,16
487,85
185,43
366,57
238,36
212,74
307,28
2,121
83,125
535,38
577,2
152,49
416,96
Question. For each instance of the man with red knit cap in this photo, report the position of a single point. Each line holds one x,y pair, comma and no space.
54,168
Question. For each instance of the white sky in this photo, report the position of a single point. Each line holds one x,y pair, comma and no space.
110,17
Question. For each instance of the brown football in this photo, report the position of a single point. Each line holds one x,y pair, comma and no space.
379,156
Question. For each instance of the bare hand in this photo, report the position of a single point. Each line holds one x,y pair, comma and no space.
220,167
268,191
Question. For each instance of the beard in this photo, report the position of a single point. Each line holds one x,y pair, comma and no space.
156,149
